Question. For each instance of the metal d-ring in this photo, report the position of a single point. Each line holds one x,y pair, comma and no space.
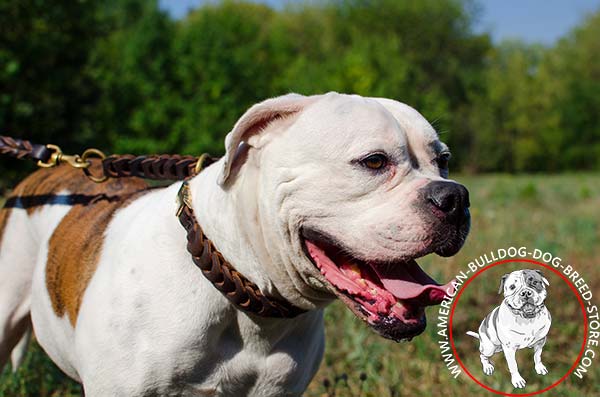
93,153
200,163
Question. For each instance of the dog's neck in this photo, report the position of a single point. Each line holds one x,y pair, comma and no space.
239,235
217,213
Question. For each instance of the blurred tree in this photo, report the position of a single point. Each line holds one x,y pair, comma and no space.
540,107
45,92
123,76
574,64
133,66
505,120
223,65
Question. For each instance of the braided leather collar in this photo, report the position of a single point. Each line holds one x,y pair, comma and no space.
240,291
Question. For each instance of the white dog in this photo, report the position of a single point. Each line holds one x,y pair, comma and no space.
522,320
315,197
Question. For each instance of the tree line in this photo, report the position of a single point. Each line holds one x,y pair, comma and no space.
124,76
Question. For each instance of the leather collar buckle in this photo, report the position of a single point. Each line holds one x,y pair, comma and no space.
184,198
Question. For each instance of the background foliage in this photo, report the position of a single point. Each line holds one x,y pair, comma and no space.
123,76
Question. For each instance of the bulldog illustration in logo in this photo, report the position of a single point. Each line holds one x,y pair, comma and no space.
522,320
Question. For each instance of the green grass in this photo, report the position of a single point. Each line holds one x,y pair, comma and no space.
556,213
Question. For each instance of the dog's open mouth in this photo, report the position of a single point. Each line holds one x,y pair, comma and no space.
390,297
529,309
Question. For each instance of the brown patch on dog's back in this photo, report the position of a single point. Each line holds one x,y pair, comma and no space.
34,191
74,250
75,245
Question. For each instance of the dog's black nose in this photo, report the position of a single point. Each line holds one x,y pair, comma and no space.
526,293
451,198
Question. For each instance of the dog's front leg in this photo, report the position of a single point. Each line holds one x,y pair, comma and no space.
537,357
515,377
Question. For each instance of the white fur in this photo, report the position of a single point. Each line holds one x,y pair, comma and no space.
16,267
151,324
54,334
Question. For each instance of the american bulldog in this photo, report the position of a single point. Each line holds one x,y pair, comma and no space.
522,320
316,197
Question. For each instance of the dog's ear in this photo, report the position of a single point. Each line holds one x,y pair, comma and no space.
544,279
502,281
253,122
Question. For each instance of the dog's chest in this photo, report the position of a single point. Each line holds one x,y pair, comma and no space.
273,359
521,332
236,361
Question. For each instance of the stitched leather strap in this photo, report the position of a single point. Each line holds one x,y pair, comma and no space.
23,149
240,291
159,167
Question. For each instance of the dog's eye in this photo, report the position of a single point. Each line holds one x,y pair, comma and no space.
442,160
375,161
512,287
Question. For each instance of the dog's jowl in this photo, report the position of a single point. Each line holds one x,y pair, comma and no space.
317,197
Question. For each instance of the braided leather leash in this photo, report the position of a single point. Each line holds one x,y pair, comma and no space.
22,149
158,167
240,291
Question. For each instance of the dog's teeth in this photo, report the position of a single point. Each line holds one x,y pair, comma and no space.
373,291
362,282
354,269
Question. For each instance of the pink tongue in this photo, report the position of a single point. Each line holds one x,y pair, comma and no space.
411,283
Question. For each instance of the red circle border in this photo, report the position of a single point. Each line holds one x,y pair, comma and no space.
585,326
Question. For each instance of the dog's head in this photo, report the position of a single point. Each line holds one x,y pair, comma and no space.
349,191
524,291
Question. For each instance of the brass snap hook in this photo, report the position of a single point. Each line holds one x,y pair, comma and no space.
58,157
54,157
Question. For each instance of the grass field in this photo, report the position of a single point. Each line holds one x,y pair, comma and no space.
560,214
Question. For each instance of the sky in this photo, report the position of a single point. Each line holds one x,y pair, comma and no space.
533,21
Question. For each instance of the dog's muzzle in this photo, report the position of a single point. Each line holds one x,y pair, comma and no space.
529,308
446,205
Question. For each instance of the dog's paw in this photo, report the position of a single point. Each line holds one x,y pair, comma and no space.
541,369
488,368
518,381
